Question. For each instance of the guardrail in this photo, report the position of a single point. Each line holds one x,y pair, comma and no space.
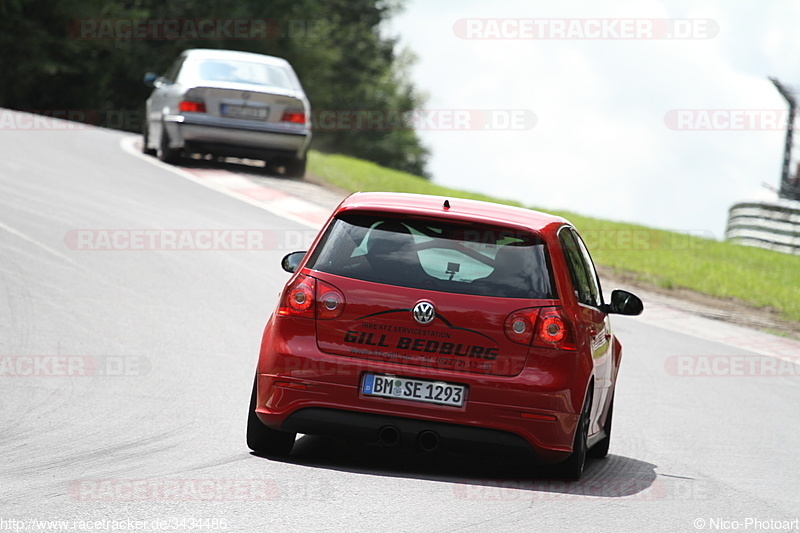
766,224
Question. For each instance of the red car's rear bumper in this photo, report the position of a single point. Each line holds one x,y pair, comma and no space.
320,394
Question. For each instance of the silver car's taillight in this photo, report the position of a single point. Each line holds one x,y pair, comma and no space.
191,106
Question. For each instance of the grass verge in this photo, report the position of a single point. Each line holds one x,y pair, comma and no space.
667,259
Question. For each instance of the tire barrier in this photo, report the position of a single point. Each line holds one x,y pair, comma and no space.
774,225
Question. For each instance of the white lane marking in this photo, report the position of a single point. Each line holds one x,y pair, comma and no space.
128,145
230,182
292,204
666,316
36,243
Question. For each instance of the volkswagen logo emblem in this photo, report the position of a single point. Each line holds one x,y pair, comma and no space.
245,96
424,312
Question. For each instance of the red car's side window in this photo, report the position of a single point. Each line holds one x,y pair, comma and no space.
581,270
591,272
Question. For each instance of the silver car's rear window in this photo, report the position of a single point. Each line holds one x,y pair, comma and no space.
436,255
232,71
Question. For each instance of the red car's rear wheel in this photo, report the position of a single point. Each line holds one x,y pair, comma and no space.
572,467
264,440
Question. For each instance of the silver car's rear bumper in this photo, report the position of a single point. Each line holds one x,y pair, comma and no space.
245,138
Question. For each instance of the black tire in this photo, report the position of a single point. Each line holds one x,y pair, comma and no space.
295,168
600,450
264,440
572,467
146,139
165,153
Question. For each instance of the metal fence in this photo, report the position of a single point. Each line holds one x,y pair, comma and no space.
773,225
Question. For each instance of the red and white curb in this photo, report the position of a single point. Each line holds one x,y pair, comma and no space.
277,202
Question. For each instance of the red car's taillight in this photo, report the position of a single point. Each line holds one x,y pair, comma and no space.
189,106
553,330
519,325
330,301
308,297
298,298
294,116
542,326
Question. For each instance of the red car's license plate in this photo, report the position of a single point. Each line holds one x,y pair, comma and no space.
419,390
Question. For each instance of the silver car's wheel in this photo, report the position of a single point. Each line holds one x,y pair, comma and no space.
146,141
165,153
295,168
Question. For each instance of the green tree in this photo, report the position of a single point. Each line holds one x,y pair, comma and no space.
337,47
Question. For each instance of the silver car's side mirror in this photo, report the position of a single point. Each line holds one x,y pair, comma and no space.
150,79
154,80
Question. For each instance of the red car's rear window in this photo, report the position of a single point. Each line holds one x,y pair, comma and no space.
436,255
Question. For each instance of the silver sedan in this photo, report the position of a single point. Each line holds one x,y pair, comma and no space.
228,103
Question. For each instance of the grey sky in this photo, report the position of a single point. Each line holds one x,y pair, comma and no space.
601,145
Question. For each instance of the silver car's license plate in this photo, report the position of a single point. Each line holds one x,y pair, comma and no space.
419,390
245,111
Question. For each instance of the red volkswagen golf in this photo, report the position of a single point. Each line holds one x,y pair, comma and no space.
442,323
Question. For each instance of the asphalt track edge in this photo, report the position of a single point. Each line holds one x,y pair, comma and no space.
128,145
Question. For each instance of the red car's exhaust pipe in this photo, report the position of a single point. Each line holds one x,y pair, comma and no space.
427,440
389,436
